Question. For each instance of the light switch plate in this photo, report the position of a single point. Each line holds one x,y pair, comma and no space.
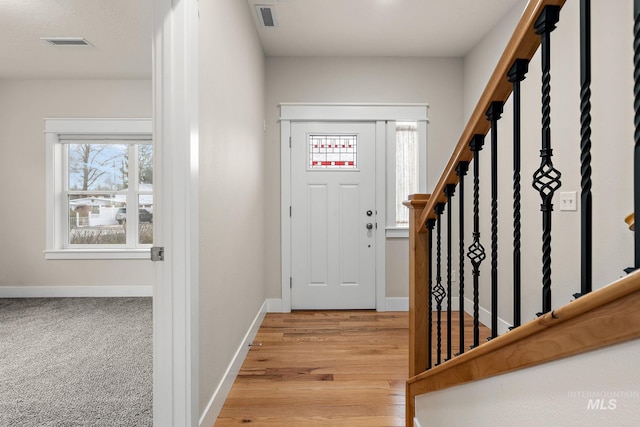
568,201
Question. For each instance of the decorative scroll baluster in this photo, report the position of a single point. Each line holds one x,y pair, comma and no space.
476,251
449,190
546,179
636,121
516,75
585,149
438,290
430,224
494,112
461,171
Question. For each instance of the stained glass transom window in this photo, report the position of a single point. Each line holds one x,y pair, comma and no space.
333,151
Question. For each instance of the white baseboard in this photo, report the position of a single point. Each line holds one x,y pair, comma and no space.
211,412
484,316
274,305
75,291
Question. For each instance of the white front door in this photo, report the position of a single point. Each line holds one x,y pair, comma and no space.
333,218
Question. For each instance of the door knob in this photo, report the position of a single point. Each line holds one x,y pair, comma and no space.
369,213
369,226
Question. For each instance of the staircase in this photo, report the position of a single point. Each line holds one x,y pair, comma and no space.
586,310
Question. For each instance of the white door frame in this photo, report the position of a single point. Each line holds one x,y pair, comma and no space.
175,293
317,112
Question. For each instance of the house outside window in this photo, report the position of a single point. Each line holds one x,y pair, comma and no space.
99,188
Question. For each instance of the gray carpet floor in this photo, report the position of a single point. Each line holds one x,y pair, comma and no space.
76,362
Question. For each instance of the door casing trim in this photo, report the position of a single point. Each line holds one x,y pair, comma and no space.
337,112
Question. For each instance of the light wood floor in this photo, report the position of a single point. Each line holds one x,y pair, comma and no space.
332,368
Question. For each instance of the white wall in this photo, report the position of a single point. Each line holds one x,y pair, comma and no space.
481,61
23,106
554,394
436,81
397,268
231,185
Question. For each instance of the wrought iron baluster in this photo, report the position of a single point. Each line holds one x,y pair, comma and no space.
547,178
449,190
438,290
636,121
586,222
430,224
516,75
476,251
494,112
461,171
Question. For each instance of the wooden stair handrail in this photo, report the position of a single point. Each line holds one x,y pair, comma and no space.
631,221
601,318
523,44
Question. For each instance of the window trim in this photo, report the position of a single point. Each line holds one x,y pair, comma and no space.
54,128
391,230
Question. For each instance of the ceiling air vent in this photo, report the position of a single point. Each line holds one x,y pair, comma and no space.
266,16
66,41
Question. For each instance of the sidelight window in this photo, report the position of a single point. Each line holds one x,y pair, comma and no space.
406,171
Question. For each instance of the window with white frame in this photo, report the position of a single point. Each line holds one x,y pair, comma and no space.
406,171
407,178
99,188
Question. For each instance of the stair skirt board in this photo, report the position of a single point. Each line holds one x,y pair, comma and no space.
75,291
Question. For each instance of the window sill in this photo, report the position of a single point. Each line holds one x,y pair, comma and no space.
397,233
98,254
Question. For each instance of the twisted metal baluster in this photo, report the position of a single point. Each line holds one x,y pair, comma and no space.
476,252
449,190
430,224
546,179
516,75
461,171
585,150
438,290
494,112
636,121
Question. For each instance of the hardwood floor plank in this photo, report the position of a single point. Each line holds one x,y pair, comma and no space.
316,421
332,368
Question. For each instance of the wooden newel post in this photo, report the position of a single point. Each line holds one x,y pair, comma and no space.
418,286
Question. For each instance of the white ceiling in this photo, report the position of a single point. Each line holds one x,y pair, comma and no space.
378,27
120,32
